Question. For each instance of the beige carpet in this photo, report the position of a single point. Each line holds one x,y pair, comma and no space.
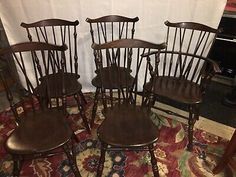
203,123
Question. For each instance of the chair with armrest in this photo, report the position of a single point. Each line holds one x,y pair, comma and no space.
59,32
105,29
127,124
40,129
183,70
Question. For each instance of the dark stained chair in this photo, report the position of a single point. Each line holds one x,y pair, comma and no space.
229,153
59,32
183,70
105,29
127,124
40,129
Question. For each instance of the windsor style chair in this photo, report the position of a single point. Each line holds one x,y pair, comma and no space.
40,130
183,70
59,32
127,124
105,29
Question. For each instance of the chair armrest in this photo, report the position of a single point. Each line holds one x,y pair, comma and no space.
161,47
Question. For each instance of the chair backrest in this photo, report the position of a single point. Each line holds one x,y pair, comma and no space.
42,58
57,32
112,27
114,59
188,45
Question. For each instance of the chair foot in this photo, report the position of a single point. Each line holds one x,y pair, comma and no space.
101,160
75,137
190,147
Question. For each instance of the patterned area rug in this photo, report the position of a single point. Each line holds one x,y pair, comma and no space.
173,159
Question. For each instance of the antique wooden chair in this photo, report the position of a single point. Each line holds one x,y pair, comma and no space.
183,70
59,32
40,129
105,29
127,125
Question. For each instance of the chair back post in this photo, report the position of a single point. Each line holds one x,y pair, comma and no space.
119,76
188,44
112,27
57,32
41,56
109,28
9,95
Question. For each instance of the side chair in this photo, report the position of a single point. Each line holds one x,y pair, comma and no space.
127,124
105,29
40,130
183,70
59,32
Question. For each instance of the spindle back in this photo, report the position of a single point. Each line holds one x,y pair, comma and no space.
57,32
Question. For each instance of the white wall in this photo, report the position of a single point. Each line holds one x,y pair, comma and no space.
152,14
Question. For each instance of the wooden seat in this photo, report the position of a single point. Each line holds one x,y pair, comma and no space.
119,77
105,29
59,32
127,125
183,71
40,129
185,91
71,85
28,138
121,119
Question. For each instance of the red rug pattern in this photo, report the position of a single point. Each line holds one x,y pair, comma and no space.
173,159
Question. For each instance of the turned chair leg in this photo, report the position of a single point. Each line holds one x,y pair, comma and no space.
101,160
82,113
153,161
193,116
95,104
69,151
82,97
17,163
190,129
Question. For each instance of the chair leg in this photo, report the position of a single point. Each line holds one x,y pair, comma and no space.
69,151
95,104
101,160
193,116
104,100
82,97
82,113
75,137
17,162
153,161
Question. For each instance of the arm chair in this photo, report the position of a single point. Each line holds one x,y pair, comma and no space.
127,124
59,32
105,29
183,70
40,129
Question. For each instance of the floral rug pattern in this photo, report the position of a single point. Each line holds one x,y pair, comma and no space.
170,151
